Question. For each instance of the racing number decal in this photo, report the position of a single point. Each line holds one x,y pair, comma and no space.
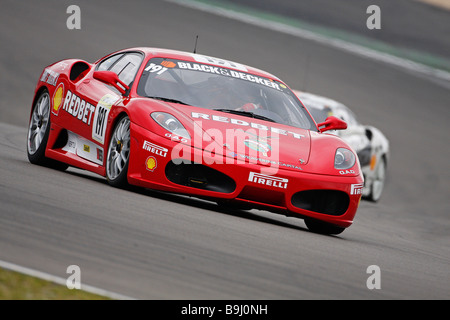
99,120
101,117
160,69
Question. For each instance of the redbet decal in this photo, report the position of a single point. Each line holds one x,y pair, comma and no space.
78,108
198,115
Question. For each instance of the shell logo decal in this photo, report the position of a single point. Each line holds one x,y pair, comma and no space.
58,98
150,163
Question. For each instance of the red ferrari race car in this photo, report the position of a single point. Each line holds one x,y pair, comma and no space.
197,125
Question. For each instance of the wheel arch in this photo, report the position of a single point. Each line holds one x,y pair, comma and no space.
114,118
39,91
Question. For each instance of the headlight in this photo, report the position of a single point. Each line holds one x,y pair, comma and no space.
344,159
170,123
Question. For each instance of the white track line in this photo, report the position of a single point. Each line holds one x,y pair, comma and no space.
61,281
309,35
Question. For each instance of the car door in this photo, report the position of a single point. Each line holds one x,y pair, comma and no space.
94,100
104,96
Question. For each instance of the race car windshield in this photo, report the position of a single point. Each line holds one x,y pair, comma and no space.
222,89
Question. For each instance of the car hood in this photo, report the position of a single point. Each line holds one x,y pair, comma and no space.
246,139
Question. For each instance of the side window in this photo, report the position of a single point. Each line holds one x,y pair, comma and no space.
127,67
107,63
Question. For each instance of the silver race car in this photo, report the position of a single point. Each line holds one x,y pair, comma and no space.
370,144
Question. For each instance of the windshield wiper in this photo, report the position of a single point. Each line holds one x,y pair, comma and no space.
168,100
246,114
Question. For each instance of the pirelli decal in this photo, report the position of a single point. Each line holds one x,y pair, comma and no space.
356,188
266,180
154,148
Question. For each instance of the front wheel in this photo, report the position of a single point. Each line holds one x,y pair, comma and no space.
38,132
323,227
119,154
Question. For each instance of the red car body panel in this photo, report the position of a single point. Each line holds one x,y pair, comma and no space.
88,108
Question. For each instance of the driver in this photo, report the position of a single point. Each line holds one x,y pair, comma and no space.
249,106
227,93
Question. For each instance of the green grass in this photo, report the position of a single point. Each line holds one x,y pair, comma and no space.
17,286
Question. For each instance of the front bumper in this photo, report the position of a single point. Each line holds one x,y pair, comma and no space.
332,199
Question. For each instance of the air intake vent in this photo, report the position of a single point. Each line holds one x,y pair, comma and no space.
331,202
199,176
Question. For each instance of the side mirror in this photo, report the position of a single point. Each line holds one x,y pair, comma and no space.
332,123
112,79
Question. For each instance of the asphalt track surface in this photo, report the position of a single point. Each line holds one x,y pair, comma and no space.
149,245
407,24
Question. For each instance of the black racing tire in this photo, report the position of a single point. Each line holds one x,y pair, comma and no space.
118,154
321,227
38,132
377,186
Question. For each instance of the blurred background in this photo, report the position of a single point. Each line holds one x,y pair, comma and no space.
306,44
36,34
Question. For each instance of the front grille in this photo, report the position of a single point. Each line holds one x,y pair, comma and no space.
262,195
331,202
199,176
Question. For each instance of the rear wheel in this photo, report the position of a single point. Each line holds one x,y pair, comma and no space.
376,189
38,132
323,227
118,154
